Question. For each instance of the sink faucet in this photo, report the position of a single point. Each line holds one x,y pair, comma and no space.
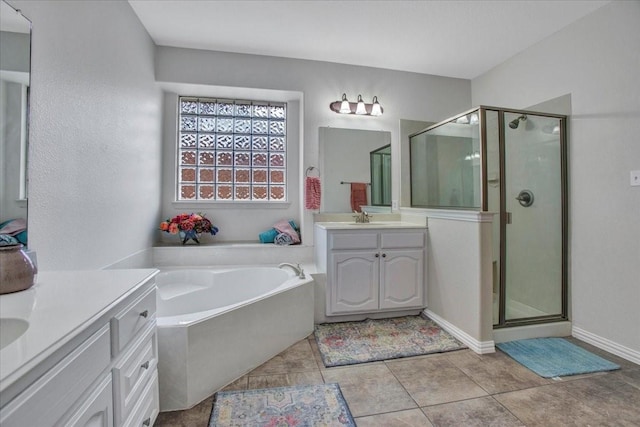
362,217
296,268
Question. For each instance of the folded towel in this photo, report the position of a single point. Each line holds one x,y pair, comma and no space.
283,239
358,195
13,226
285,227
312,191
270,235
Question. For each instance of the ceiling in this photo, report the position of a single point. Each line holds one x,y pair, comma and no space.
461,39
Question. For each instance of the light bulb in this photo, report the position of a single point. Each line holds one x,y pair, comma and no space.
462,120
345,108
376,110
360,108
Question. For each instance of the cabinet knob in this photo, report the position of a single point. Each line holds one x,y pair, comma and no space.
384,255
377,255
145,365
147,422
144,313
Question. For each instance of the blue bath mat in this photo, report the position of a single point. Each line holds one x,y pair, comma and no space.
555,357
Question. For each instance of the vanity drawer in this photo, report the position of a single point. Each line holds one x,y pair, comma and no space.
54,393
126,324
132,372
353,241
402,240
148,406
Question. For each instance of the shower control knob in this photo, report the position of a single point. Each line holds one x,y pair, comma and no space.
525,198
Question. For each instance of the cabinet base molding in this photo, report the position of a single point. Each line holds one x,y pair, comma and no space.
372,315
479,347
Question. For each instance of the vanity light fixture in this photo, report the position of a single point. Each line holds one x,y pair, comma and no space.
360,108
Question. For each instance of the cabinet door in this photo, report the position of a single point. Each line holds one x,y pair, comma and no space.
401,279
353,282
97,410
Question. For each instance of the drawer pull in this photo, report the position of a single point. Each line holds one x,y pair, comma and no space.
145,365
144,313
147,422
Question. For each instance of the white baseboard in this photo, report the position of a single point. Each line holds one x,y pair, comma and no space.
607,345
479,347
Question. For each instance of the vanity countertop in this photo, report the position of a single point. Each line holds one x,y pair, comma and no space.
58,308
373,225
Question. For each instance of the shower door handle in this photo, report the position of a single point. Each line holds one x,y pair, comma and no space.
507,217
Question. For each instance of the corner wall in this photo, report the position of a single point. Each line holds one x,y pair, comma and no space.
95,134
595,60
459,273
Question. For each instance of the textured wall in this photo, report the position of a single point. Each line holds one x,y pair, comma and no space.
596,60
95,140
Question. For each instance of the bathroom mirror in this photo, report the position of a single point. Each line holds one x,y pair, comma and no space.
345,157
15,65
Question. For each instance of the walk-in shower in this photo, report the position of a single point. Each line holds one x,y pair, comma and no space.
513,163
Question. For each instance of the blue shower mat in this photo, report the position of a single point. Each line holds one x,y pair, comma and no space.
555,357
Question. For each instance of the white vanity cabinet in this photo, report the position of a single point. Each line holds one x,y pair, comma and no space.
371,269
105,375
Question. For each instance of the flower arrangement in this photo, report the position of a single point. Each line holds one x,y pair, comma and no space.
189,226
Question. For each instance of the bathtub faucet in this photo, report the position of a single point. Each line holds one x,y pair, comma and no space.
298,270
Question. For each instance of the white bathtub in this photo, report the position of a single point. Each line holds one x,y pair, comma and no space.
215,325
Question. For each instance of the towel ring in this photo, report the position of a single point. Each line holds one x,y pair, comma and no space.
310,169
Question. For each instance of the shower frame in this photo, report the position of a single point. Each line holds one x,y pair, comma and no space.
503,215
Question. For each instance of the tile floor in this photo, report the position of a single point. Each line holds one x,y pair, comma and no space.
458,388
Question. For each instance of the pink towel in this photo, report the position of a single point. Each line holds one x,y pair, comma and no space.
312,192
358,195
286,228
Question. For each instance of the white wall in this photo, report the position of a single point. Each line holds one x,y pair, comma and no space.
403,95
596,60
94,135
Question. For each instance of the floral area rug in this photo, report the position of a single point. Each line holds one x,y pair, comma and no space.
300,406
370,340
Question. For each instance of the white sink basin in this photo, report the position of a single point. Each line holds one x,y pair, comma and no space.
11,329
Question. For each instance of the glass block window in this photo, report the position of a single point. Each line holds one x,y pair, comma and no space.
231,150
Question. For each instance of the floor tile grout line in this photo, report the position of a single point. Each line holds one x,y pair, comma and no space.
402,385
507,409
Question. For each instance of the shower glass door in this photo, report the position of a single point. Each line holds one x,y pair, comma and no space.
532,217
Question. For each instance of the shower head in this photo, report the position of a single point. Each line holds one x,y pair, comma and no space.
513,124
